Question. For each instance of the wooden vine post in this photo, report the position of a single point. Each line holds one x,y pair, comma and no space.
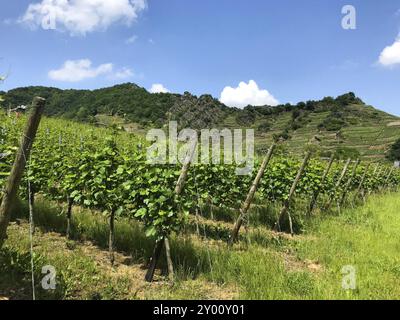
338,183
69,216
286,205
377,173
314,198
14,180
360,188
154,258
250,196
111,237
165,241
348,184
383,174
386,184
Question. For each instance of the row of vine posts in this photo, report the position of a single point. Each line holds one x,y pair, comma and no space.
22,157
286,205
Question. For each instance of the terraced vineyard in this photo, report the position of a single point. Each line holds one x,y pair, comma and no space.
344,122
371,134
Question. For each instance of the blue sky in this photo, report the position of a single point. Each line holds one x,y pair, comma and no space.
296,50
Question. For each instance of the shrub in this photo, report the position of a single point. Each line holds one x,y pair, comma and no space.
347,152
246,118
264,126
394,152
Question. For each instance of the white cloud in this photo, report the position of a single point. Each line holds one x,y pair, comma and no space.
78,70
82,16
390,56
131,39
124,73
158,88
247,94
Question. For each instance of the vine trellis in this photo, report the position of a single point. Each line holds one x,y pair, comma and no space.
101,169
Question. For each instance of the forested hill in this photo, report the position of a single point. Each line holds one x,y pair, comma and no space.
344,122
126,100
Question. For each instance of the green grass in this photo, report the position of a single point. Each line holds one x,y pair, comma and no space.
78,275
307,266
83,269
366,238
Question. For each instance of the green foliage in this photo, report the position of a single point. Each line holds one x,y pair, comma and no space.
299,117
394,152
246,118
339,116
265,126
284,135
134,104
307,267
347,152
133,108
99,169
334,122
127,101
347,99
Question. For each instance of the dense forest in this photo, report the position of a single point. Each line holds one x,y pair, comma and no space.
126,100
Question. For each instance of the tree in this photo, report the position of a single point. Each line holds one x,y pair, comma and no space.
295,114
284,135
311,105
394,152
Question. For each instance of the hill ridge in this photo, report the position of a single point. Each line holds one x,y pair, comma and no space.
345,122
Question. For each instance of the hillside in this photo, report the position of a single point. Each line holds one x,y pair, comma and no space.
345,123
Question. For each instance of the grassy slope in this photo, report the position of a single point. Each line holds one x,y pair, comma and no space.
367,128
366,238
306,267
371,137
372,132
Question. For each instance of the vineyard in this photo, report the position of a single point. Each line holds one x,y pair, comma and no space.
105,171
